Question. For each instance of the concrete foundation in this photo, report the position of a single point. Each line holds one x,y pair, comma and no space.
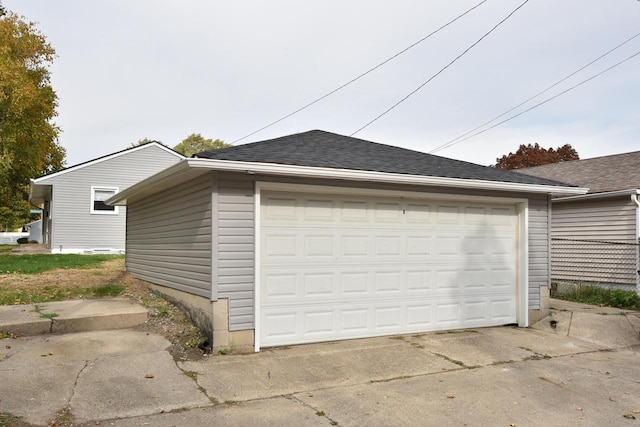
535,315
212,317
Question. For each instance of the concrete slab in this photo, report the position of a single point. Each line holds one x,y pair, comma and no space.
541,343
613,330
471,348
284,371
277,411
559,391
93,315
38,375
22,320
59,349
131,385
634,319
577,307
562,321
37,392
71,316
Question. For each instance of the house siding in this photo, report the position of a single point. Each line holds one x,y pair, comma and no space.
608,219
169,237
235,274
73,224
595,242
236,248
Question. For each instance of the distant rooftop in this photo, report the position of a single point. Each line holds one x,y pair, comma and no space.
599,174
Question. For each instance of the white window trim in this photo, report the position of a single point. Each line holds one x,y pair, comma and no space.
93,194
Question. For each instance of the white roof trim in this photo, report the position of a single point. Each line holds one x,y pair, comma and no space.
104,158
344,174
602,195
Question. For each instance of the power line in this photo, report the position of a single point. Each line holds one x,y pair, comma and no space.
439,72
541,103
452,142
361,75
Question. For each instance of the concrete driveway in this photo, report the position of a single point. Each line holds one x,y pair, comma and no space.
492,376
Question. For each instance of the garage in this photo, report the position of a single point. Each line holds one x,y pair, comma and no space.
352,265
317,236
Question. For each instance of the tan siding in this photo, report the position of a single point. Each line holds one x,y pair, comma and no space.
169,237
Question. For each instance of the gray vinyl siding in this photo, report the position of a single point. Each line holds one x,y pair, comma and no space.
582,251
606,219
538,247
169,237
235,264
73,224
237,227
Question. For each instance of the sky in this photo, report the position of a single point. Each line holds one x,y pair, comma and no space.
133,69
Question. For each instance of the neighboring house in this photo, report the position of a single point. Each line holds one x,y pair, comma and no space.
75,217
595,235
35,231
320,237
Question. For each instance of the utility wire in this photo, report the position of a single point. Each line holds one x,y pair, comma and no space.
439,72
447,144
361,75
541,103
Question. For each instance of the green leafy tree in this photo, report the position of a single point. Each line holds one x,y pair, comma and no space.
196,143
28,137
533,155
146,141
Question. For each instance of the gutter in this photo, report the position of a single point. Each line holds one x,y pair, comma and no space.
602,195
634,199
342,174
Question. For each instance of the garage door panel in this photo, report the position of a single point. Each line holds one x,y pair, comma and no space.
339,266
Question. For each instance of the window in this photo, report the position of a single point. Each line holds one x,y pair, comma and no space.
98,196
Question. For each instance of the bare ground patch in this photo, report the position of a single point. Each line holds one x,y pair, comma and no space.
164,318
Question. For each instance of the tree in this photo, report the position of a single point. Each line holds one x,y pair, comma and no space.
146,141
196,143
534,155
28,137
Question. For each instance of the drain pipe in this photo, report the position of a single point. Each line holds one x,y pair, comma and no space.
634,199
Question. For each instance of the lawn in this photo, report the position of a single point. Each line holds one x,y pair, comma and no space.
38,278
38,263
594,295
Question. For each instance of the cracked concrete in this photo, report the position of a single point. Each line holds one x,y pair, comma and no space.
519,376
98,375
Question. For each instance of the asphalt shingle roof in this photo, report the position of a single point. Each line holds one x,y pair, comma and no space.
599,174
317,148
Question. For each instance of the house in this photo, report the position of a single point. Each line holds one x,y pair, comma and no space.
35,231
595,235
75,217
320,237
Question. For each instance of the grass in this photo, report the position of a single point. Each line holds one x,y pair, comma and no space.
38,263
13,296
594,295
7,248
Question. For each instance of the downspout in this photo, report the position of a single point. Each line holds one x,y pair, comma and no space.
634,199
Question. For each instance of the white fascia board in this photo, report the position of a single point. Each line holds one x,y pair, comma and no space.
592,196
104,158
120,199
253,168
393,178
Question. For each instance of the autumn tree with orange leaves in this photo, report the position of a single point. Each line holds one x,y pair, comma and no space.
533,155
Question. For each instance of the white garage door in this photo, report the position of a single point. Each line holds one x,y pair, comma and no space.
341,266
